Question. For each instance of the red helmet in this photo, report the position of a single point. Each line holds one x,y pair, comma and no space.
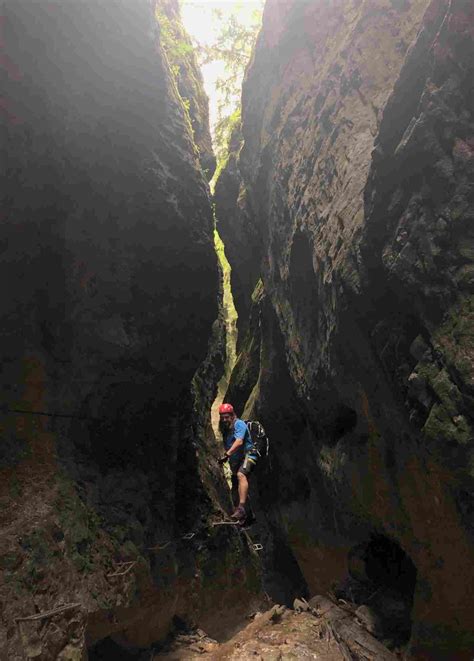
226,408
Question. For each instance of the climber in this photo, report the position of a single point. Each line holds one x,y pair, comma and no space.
241,454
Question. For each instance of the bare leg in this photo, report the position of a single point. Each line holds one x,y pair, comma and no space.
235,490
243,488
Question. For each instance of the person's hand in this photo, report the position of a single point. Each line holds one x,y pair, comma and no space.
223,459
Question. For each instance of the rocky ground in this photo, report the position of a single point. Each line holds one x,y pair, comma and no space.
319,629
269,637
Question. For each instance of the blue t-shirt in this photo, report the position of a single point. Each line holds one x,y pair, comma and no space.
240,430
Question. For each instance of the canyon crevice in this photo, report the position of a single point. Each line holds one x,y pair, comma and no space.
345,206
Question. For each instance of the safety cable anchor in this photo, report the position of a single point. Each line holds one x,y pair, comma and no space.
257,547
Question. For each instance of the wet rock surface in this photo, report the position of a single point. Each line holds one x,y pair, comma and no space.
356,169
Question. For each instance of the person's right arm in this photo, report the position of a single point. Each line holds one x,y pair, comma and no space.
235,446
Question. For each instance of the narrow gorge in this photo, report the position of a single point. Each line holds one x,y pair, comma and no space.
345,208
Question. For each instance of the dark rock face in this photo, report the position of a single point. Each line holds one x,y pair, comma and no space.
357,166
107,239
180,52
235,223
109,214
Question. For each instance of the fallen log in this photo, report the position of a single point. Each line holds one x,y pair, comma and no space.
340,643
347,631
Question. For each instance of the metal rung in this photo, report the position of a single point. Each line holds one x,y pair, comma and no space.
160,547
188,535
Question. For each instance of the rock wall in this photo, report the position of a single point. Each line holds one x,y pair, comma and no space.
234,219
356,172
110,290
187,75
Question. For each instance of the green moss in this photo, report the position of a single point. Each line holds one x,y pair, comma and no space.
186,104
225,130
456,339
447,392
174,42
230,313
81,562
427,371
441,426
177,48
39,554
79,523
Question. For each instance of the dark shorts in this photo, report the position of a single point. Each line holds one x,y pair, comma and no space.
246,467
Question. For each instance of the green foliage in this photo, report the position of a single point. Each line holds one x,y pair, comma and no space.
222,134
186,104
174,43
178,49
233,46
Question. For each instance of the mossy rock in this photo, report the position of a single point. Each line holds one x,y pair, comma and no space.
441,426
455,338
447,392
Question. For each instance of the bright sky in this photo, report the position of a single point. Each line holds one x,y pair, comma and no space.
202,24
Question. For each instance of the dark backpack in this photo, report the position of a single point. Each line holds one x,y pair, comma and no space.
259,437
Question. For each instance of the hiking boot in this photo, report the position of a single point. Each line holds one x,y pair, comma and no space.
239,514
